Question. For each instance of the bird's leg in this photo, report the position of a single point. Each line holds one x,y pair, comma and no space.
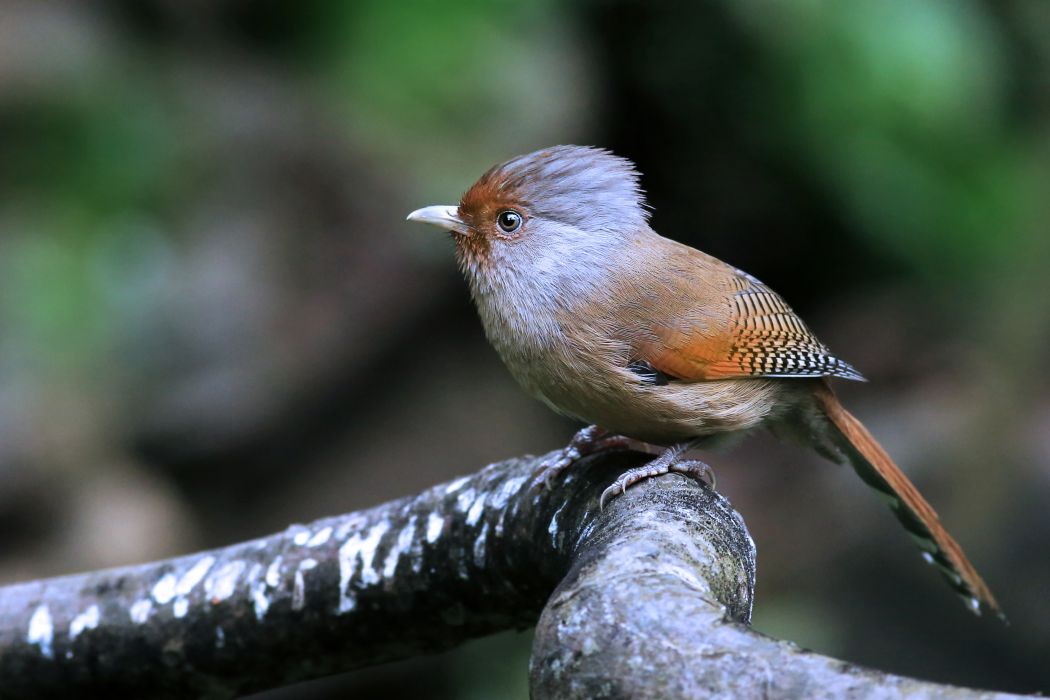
665,463
587,441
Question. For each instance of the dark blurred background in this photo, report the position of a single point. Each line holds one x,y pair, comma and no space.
214,320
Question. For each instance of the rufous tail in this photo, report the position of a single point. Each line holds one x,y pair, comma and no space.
876,468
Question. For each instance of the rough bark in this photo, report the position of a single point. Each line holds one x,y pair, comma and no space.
655,602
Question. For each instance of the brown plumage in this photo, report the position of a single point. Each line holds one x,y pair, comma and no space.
915,513
606,321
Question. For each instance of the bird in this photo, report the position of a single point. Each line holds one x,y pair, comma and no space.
646,339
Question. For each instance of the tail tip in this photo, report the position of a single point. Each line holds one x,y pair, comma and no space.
844,370
979,605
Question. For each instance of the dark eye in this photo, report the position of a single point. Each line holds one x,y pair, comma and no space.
509,221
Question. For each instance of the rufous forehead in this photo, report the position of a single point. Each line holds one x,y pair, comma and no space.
490,193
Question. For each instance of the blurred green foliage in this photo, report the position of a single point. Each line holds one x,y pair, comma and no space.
901,109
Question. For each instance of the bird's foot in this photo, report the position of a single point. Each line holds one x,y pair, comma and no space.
664,464
588,441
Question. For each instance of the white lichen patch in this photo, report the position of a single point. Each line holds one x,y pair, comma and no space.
416,551
457,484
353,521
354,548
164,589
87,620
687,577
140,610
465,499
299,589
260,602
180,607
476,510
403,545
195,575
499,523
223,581
553,527
586,531
435,523
507,491
479,546
273,572
300,538
319,537
41,632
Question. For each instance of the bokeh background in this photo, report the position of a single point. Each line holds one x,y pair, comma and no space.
214,320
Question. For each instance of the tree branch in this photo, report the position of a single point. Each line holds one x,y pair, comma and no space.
655,583
656,606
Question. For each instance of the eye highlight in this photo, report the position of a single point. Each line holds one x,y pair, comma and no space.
509,221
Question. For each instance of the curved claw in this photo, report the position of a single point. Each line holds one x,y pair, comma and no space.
588,441
548,470
610,491
701,471
665,463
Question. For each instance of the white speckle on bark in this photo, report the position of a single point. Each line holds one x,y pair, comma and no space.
301,537
688,578
320,537
273,573
180,607
87,620
435,523
476,510
220,638
365,548
195,575
140,610
164,589
928,557
416,549
479,546
222,582
402,546
457,484
586,531
299,590
41,631
506,491
259,600
465,499
354,521
589,646
253,573
368,553
553,527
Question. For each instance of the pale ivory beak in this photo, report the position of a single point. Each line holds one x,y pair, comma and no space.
442,216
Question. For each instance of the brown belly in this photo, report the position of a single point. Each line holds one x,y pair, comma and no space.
672,413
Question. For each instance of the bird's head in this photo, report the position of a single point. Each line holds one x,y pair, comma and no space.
566,205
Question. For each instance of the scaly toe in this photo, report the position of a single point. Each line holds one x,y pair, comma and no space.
587,441
700,471
551,468
625,481
611,492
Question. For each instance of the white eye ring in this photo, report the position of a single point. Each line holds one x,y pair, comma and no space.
509,221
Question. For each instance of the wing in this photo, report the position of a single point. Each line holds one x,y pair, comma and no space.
746,330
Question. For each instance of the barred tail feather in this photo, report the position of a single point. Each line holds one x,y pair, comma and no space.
877,470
